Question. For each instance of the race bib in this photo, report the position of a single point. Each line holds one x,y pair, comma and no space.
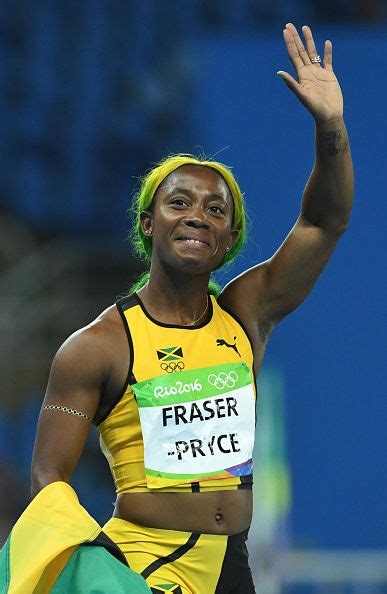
197,424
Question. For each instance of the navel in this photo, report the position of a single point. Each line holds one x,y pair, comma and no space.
218,516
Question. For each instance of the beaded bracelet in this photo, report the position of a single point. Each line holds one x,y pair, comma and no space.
71,411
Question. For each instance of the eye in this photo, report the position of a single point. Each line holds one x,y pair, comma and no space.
179,202
216,209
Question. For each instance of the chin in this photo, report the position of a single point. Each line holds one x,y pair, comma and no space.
193,265
190,263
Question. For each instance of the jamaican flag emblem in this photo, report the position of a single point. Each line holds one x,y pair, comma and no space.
171,359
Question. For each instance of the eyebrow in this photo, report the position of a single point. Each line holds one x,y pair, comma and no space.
189,194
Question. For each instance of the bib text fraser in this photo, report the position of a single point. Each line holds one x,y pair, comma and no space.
202,411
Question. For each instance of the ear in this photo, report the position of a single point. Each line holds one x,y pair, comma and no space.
233,237
146,219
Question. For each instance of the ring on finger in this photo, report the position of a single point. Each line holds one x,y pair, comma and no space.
315,59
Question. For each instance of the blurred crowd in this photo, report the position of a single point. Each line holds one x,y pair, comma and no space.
93,92
258,13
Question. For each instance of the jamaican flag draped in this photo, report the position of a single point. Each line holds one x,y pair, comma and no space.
46,552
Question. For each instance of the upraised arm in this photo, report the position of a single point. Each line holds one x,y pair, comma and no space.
327,199
269,291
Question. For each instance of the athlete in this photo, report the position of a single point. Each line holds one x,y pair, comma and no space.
167,373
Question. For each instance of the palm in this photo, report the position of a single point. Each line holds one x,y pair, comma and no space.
317,88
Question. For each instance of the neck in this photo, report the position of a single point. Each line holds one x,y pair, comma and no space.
175,298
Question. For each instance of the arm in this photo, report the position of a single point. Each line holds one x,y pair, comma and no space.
269,291
327,198
76,380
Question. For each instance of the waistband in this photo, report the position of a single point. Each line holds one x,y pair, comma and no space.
127,529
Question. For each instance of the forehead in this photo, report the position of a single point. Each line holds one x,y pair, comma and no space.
196,178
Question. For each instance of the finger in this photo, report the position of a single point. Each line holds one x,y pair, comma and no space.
328,54
309,42
292,50
289,81
299,45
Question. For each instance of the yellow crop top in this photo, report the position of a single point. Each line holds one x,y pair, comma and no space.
186,418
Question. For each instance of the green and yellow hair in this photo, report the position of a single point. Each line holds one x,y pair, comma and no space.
143,199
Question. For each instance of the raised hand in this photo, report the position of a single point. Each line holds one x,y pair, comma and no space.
317,87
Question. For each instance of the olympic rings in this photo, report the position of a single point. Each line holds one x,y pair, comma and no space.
172,366
223,380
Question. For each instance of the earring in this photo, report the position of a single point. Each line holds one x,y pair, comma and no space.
228,249
148,232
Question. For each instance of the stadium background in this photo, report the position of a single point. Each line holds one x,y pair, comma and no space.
92,94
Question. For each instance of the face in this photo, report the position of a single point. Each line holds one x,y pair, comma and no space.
191,219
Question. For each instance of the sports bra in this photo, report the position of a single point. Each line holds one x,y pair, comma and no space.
185,420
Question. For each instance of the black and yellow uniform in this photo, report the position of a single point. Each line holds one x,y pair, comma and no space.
184,422
179,562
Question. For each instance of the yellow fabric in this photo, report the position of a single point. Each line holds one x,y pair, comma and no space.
120,433
45,536
197,571
53,570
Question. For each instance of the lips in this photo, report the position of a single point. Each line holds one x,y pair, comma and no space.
192,240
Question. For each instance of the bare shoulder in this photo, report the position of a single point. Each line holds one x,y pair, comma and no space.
236,295
96,335
109,324
235,298
91,349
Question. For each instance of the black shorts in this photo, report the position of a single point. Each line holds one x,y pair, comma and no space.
235,576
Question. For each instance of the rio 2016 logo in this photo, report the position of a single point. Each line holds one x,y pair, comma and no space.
223,379
178,388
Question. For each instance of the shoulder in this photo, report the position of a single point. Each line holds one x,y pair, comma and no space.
93,346
234,299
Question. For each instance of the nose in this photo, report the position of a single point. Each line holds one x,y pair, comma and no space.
196,222
197,219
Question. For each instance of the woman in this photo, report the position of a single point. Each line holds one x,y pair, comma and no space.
167,373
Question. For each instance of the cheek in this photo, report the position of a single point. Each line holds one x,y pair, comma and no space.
165,219
224,235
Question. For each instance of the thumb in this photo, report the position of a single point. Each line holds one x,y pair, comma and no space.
289,81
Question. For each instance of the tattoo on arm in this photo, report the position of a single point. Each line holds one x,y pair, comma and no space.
330,142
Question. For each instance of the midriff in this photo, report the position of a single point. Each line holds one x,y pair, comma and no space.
213,512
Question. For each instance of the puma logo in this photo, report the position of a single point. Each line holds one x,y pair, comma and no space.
222,342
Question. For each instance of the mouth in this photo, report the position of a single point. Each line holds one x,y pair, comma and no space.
193,241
